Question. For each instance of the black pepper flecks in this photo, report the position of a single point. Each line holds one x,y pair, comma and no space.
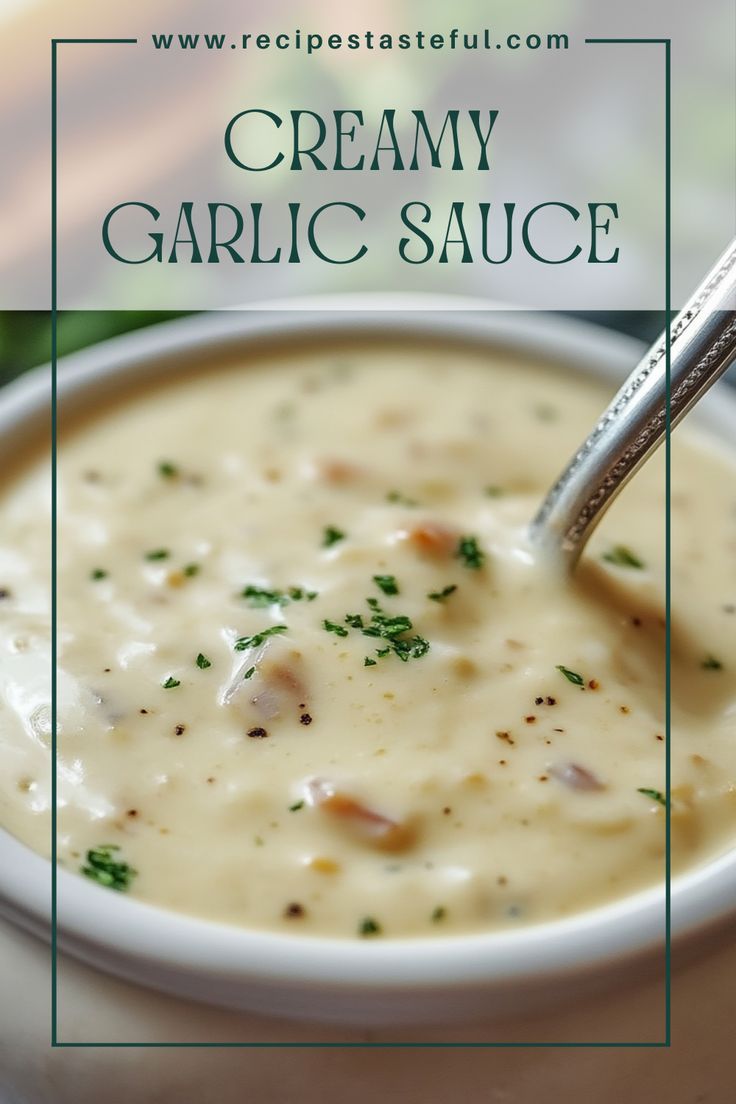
257,733
180,730
294,910
305,719
4,594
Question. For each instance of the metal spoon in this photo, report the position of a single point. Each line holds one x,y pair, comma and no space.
702,346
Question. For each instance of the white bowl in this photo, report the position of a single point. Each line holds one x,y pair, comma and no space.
391,981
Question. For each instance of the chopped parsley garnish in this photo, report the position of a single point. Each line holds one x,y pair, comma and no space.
102,867
158,554
388,627
571,676
710,663
258,638
167,470
470,553
392,629
333,627
191,569
170,683
331,535
622,556
410,649
382,627
442,595
296,806
203,662
438,914
492,491
369,926
260,597
298,594
655,795
249,673
400,499
98,573
386,583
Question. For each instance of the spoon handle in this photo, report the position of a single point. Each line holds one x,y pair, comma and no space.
702,346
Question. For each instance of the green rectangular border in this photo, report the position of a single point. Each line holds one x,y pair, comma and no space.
55,1042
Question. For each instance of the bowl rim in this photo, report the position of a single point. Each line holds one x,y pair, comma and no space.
138,935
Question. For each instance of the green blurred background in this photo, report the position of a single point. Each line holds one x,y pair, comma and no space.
25,336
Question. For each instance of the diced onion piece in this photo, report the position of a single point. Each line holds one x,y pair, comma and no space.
433,538
337,472
278,689
576,777
369,826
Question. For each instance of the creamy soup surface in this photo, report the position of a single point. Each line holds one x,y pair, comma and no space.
310,676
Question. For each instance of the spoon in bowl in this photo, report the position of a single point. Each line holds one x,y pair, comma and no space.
702,346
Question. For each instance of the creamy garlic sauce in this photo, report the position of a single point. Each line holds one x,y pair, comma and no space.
430,732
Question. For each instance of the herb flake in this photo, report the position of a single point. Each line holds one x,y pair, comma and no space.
621,556
571,676
655,795
399,499
102,867
203,662
331,535
258,638
261,597
368,926
470,552
333,627
442,595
